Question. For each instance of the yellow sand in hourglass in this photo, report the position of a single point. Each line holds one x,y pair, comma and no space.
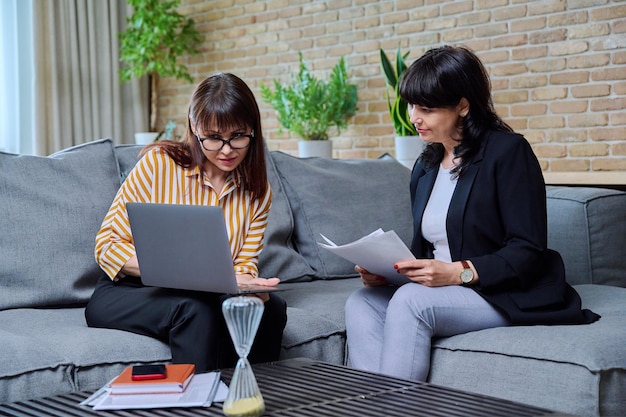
245,407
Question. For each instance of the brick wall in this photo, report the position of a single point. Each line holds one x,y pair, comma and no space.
558,67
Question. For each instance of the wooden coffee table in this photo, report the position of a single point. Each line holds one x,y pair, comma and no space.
301,387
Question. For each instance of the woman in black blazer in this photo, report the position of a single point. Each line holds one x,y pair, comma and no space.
480,229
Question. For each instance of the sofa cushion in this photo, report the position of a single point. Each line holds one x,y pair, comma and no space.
29,369
279,258
52,208
52,351
582,226
127,157
575,369
344,200
316,321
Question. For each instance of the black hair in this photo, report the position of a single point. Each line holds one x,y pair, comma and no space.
440,79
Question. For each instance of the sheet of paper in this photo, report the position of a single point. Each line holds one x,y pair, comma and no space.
221,393
200,392
376,252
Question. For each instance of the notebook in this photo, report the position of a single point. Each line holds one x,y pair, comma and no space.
185,247
177,379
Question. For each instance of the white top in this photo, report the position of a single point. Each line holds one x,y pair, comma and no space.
436,212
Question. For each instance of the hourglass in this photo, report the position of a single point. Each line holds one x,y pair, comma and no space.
243,315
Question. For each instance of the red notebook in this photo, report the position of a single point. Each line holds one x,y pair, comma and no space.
178,376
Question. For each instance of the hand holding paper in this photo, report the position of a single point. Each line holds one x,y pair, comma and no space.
376,252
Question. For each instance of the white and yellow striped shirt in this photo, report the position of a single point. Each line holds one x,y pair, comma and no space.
158,179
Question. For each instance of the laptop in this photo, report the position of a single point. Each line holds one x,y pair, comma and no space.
185,247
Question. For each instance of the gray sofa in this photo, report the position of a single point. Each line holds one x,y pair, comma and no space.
52,208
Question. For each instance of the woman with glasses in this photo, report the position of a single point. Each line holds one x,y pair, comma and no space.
219,162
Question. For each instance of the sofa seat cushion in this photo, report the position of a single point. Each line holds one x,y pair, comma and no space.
30,369
572,369
582,227
344,200
52,208
55,348
315,319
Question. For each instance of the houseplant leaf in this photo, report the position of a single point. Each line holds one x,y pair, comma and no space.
308,107
398,108
155,39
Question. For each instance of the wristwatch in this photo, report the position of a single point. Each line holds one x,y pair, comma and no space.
467,275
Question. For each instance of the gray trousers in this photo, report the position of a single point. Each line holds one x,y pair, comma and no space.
390,329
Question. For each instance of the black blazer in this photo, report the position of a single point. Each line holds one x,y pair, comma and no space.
497,219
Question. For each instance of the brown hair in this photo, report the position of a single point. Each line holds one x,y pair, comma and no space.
224,100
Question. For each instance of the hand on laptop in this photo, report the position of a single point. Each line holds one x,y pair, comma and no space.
247,279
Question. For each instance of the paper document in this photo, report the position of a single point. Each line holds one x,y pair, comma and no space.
376,252
200,392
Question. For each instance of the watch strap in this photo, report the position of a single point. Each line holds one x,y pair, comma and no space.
467,270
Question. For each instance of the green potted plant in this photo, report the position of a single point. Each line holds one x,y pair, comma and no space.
156,36
407,146
309,107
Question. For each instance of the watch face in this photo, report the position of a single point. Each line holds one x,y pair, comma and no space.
466,276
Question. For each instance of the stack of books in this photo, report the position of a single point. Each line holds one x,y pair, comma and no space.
176,379
181,387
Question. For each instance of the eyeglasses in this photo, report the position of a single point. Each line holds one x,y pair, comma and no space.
215,143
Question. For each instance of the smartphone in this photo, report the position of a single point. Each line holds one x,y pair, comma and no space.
146,372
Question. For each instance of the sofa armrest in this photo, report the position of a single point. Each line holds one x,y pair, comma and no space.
588,227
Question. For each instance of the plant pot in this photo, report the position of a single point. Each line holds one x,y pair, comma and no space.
145,138
408,148
315,148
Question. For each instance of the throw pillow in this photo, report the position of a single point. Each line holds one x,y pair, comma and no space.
279,258
127,157
52,208
344,200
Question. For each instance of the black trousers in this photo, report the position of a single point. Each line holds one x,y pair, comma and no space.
191,322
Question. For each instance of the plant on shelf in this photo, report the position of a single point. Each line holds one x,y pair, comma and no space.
309,107
398,108
169,132
156,36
